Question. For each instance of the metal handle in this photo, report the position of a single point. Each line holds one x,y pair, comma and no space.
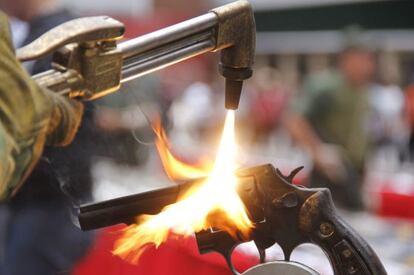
347,251
97,28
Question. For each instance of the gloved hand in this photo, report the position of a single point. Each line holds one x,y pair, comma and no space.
30,118
64,120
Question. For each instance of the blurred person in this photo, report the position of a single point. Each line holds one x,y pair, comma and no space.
39,231
328,121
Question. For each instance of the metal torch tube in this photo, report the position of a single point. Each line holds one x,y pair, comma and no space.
164,58
167,35
156,50
62,83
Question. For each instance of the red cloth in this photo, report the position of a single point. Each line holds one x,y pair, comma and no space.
175,257
390,199
395,205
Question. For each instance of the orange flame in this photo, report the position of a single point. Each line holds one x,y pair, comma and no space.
175,169
213,203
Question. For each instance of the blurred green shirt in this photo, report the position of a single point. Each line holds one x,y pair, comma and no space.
337,112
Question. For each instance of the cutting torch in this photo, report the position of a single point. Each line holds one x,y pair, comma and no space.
90,62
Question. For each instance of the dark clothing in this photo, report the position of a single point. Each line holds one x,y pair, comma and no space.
39,26
43,241
41,238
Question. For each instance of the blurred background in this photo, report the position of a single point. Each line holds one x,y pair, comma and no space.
332,90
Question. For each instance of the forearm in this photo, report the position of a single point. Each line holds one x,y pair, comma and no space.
24,116
30,117
24,119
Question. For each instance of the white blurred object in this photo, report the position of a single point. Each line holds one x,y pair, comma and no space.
190,112
193,107
388,100
19,30
387,124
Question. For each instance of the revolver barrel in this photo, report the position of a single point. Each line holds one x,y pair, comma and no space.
124,210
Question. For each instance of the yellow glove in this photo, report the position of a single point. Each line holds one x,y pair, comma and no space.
30,117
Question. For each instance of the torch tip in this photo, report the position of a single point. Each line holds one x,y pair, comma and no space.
233,92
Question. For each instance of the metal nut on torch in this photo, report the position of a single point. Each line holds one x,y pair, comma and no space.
236,39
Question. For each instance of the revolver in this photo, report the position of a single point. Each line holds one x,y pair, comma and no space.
282,213
88,62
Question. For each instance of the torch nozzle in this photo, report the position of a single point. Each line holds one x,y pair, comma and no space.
232,93
236,39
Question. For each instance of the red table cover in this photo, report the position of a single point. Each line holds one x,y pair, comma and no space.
175,257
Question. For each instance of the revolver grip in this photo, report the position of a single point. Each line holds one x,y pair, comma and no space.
347,251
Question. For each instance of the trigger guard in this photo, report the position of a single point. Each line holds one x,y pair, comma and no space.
262,254
227,257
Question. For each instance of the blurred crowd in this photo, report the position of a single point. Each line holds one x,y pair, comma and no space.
343,115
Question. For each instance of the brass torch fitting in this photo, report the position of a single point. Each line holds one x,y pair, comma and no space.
236,39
